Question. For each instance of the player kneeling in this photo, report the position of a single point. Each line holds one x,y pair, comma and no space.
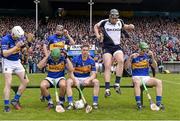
56,72
83,66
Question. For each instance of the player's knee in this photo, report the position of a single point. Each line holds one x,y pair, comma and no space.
159,83
96,82
63,84
69,82
136,83
86,83
43,85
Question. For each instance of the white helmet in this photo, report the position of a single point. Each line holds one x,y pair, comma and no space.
17,31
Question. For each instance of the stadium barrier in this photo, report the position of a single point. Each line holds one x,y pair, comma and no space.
15,88
173,66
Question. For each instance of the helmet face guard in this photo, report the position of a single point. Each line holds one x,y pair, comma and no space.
59,27
114,14
55,54
59,30
17,33
143,46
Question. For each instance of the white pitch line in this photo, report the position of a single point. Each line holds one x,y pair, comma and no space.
170,82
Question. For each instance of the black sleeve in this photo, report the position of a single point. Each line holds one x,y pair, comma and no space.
102,24
125,33
122,22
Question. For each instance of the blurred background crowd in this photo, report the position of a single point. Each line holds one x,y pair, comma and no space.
161,33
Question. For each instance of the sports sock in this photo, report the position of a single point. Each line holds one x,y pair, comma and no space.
62,99
48,98
17,96
138,100
6,102
107,85
70,99
118,79
95,99
158,100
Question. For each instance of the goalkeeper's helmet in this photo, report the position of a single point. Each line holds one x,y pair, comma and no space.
114,13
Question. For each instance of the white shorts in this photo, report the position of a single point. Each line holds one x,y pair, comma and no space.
81,80
100,67
51,80
142,78
97,66
9,66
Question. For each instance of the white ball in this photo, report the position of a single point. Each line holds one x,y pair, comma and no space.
79,104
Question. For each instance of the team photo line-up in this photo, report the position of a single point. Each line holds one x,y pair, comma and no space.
81,69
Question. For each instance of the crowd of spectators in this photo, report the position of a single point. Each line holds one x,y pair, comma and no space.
162,34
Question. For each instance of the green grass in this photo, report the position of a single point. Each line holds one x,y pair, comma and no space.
117,107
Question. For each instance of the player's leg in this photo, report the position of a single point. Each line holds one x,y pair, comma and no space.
94,83
107,59
62,90
45,84
158,84
8,80
137,91
20,72
69,92
21,89
7,74
119,56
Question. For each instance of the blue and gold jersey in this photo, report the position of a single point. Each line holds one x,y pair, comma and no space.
56,69
8,43
55,41
140,65
82,68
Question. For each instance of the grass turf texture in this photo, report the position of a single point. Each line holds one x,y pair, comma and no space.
117,107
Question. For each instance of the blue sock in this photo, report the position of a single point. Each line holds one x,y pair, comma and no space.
70,99
62,99
6,102
118,79
107,85
158,100
48,98
138,99
17,96
95,99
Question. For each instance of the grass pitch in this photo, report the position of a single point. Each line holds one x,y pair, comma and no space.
117,107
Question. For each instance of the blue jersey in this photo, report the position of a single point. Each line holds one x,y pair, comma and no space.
140,65
8,43
56,69
55,41
82,68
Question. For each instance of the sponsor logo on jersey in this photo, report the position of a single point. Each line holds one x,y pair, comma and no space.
57,45
141,64
56,68
113,29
